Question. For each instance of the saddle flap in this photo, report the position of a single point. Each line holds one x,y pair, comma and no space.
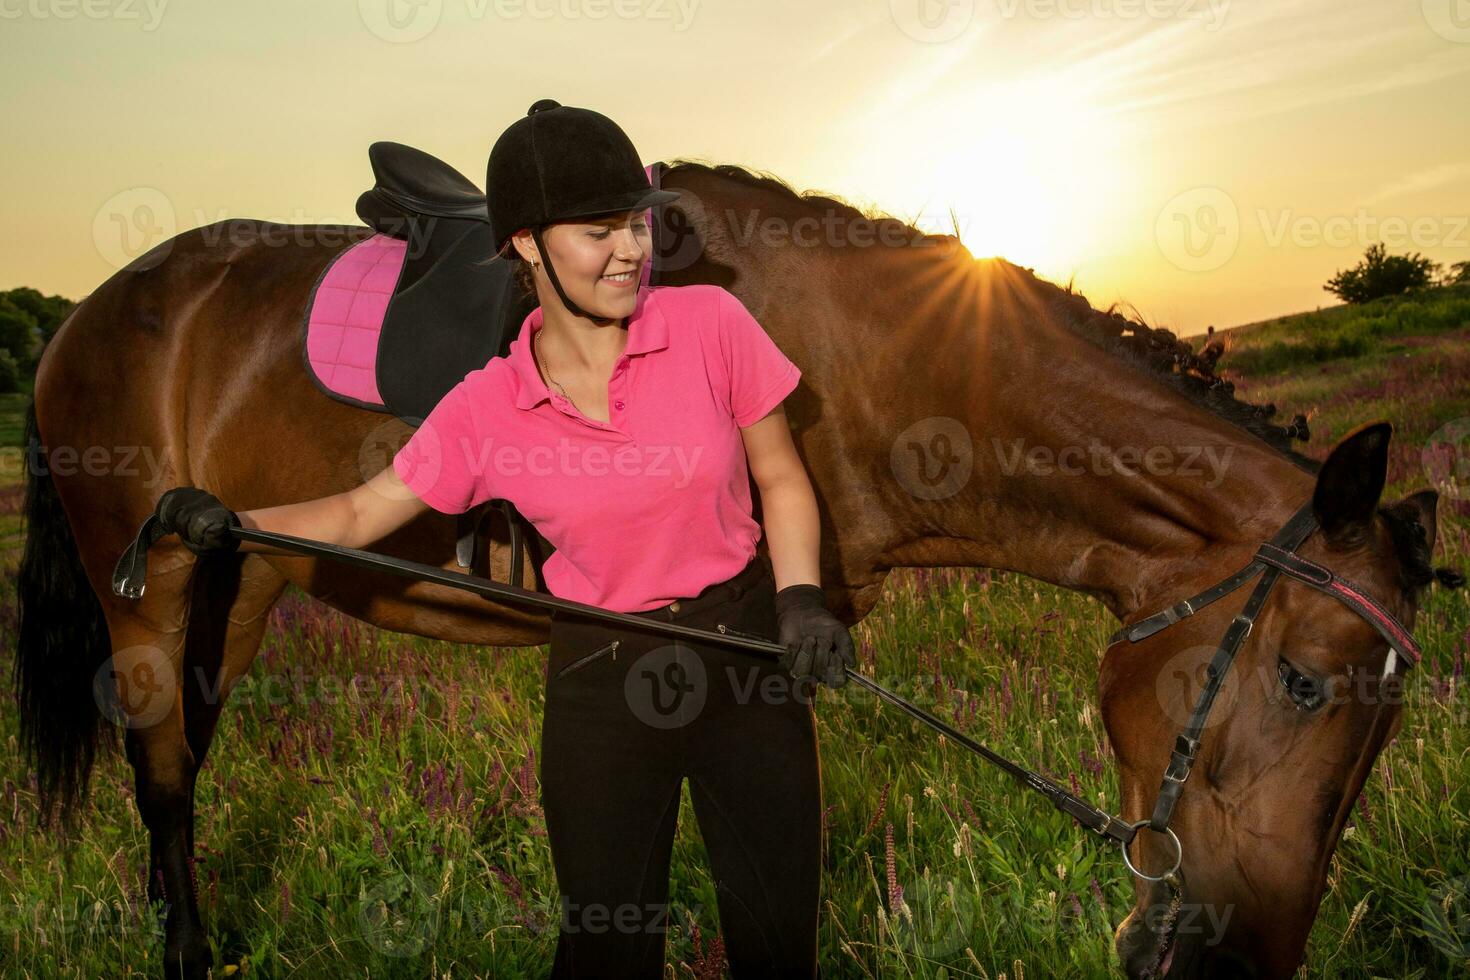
460,313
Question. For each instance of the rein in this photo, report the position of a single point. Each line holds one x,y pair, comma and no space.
129,579
1272,559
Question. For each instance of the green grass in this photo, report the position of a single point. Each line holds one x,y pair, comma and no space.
1368,331
370,805
13,417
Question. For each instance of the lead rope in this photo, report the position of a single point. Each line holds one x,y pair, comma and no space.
1085,814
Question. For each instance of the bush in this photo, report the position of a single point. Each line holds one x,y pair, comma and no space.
19,333
9,372
1380,274
28,320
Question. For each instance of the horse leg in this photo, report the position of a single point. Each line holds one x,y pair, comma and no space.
148,642
231,609
226,615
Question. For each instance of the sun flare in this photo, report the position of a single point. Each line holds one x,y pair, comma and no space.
1026,169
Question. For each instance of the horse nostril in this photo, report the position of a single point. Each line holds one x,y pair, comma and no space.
1135,945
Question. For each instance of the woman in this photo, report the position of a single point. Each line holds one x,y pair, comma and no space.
625,424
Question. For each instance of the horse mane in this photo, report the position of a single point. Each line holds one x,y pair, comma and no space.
1158,351
1175,362
1411,544
1154,351
766,181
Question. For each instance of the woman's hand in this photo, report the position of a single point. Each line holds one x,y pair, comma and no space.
817,644
199,519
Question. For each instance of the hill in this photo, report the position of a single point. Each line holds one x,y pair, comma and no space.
1405,359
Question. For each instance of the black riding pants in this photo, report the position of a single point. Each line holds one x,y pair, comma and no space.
629,715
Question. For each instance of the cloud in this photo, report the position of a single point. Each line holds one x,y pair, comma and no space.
858,26
1424,180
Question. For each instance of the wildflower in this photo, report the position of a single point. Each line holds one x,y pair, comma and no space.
895,893
882,804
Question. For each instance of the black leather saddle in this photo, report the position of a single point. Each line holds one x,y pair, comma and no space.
456,304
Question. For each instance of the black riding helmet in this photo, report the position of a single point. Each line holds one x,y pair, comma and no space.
560,162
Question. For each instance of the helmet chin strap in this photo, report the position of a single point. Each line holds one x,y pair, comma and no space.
556,283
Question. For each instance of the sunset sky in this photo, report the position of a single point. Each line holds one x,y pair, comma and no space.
1210,162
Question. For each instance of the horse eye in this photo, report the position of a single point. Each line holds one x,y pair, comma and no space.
1305,692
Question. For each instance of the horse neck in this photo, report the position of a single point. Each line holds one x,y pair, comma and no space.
898,343
1050,416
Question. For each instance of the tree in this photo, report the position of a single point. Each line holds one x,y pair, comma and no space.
28,320
19,332
1381,274
1458,272
9,373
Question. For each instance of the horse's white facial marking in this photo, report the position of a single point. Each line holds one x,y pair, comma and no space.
1390,662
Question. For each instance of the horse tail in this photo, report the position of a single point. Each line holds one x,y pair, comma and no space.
62,643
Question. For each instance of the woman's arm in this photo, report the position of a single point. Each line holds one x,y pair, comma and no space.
788,504
353,519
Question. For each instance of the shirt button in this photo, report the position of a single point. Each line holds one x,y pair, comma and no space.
618,404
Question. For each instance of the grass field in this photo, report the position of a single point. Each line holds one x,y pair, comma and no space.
370,804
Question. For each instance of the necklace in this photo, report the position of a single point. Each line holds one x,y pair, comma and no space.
535,337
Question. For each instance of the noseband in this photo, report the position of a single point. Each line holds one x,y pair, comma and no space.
1273,559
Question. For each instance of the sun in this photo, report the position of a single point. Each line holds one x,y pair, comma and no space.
998,196
1027,169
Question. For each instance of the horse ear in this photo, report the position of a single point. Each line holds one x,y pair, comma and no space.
1350,483
1424,506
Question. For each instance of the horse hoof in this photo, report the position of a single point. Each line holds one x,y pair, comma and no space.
188,964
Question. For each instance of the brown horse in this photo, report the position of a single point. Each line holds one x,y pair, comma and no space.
952,413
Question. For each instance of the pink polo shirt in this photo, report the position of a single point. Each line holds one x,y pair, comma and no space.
652,505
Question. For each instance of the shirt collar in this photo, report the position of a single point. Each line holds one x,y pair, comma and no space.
647,331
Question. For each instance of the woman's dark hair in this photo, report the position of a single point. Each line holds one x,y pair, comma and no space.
525,279
521,269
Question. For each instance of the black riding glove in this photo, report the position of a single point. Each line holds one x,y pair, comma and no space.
817,644
199,519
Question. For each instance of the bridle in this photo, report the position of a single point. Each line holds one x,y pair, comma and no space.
1272,559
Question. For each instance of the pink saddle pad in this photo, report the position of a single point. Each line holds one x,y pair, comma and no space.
345,316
